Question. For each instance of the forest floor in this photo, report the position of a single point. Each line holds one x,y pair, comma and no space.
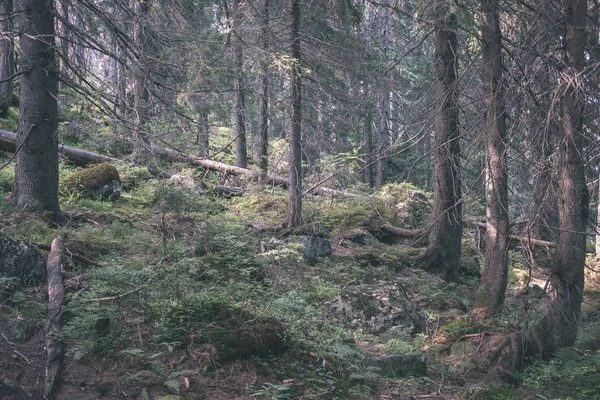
186,301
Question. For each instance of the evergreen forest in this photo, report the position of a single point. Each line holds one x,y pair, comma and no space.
299,199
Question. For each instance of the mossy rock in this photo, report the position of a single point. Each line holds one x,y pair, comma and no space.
101,181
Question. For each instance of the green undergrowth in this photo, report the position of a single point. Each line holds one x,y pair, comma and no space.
182,287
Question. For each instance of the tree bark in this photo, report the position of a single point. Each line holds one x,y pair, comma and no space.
294,213
494,279
368,169
241,150
567,277
383,137
36,170
443,253
6,55
141,141
263,112
598,223
56,297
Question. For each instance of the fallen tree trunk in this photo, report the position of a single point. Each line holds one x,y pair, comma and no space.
233,170
418,233
8,142
56,297
80,157
514,238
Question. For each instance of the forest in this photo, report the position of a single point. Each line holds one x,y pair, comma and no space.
299,199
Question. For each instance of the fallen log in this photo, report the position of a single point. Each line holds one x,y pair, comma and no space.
419,233
56,297
233,170
81,158
514,238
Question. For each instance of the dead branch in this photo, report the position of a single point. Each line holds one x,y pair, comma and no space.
56,297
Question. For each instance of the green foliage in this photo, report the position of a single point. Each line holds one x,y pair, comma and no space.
10,120
7,177
229,251
570,375
132,176
272,391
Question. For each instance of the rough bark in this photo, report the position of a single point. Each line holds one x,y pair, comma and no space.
6,55
203,134
36,170
443,253
368,169
383,137
491,292
56,297
294,213
598,223
241,150
141,141
263,97
81,158
568,266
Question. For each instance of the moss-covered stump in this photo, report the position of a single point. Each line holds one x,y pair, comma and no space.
101,181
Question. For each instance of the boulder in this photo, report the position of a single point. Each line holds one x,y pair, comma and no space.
398,365
378,308
358,238
100,181
314,248
22,260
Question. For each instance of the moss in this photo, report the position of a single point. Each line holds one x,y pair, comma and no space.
92,177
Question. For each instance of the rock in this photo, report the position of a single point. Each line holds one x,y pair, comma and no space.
399,365
184,181
379,308
358,238
22,260
101,181
314,248
18,330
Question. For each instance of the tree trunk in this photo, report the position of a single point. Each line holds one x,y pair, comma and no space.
443,253
36,171
263,113
294,213
141,141
383,138
368,169
598,223
241,151
6,55
495,270
203,134
568,266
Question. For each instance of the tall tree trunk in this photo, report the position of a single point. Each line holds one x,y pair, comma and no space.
598,223
141,141
36,171
203,134
368,170
543,220
383,137
568,266
495,271
263,112
444,250
6,55
241,150
294,212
